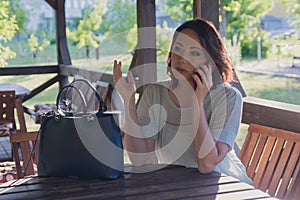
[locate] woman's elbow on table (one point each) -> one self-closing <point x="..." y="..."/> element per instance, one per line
<point x="205" y="168"/>
<point x="145" y="158"/>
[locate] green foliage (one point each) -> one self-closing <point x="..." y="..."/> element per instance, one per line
<point x="242" y="14"/>
<point x="131" y="38"/>
<point x="179" y="9"/>
<point x="243" y="19"/>
<point x="163" y="40"/>
<point x="233" y="51"/>
<point x="19" y="13"/>
<point x="119" y="19"/>
<point x="34" y="44"/>
<point x="85" y="35"/>
<point x="8" y="29"/>
<point x="249" y="43"/>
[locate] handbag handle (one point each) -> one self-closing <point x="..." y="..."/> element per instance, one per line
<point x="102" y="106"/>
<point x="65" y="89"/>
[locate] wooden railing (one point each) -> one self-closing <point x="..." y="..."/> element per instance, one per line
<point x="271" y="113"/>
<point x="255" y="110"/>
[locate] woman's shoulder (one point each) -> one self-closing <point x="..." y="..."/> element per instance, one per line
<point x="227" y="91"/>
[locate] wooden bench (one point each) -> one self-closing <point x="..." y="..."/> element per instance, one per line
<point x="271" y="157"/>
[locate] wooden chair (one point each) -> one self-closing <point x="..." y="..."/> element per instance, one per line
<point x="28" y="143"/>
<point x="7" y="114"/>
<point x="271" y="158"/>
<point x="7" y="123"/>
<point x="18" y="135"/>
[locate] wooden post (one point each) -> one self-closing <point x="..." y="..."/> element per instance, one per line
<point x="207" y="9"/>
<point x="196" y="9"/>
<point x="63" y="55"/>
<point x="145" y="56"/>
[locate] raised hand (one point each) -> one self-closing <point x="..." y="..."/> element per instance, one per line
<point x="126" y="88"/>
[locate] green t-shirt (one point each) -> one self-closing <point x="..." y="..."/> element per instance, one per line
<point x="171" y="126"/>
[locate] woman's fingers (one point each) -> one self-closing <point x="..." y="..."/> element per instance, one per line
<point x="197" y="79"/>
<point x="205" y="75"/>
<point x="117" y="72"/>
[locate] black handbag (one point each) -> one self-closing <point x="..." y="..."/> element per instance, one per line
<point x="80" y="144"/>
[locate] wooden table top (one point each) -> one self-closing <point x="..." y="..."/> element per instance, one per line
<point x="172" y="182"/>
<point x="19" y="90"/>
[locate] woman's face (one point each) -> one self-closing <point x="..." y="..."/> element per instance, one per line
<point x="187" y="54"/>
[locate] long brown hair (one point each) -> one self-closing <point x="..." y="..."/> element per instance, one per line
<point x="211" y="41"/>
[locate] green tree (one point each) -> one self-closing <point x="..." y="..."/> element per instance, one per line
<point x="179" y="9"/>
<point x="120" y="17"/>
<point x="15" y="9"/>
<point x="243" y="19"/>
<point x="35" y="45"/>
<point x="85" y="34"/>
<point x="8" y="29"/>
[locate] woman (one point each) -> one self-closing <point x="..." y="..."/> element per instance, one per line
<point x="193" y="118"/>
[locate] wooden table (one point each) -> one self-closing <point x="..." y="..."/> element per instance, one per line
<point x="172" y="182"/>
<point x="20" y="91"/>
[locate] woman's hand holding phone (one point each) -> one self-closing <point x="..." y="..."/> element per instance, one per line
<point x="203" y="79"/>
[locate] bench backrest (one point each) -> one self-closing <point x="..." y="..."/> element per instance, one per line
<point x="271" y="158"/>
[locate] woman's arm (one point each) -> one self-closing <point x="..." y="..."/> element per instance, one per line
<point x="209" y="152"/>
<point x="140" y="150"/>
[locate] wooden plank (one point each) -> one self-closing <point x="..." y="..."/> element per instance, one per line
<point x="21" y="137"/>
<point x="206" y="192"/>
<point x="196" y="9"/>
<point x="246" y="154"/>
<point x="41" y="88"/>
<point x="261" y="169"/>
<point x="272" y="132"/>
<point x="169" y="183"/>
<point x="52" y="3"/>
<point x="25" y="148"/>
<point x="271" y="113"/>
<point x="294" y="191"/>
<point x="92" y="75"/>
<point x="63" y="55"/>
<point x="256" y="157"/>
<point x="210" y="11"/>
<point x="133" y="181"/>
<point x="288" y="171"/>
<point x="28" y="70"/>
<point x="280" y="168"/>
<point x="145" y="66"/>
<point x="249" y="194"/>
<point x="20" y="113"/>
<point x="113" y="190"/>
<point x="266" y="180"/>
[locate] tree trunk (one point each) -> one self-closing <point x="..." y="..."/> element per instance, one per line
<point x="97" y="53"/>
<point x="87" y="51"/>
<point x="34" y="54"/>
